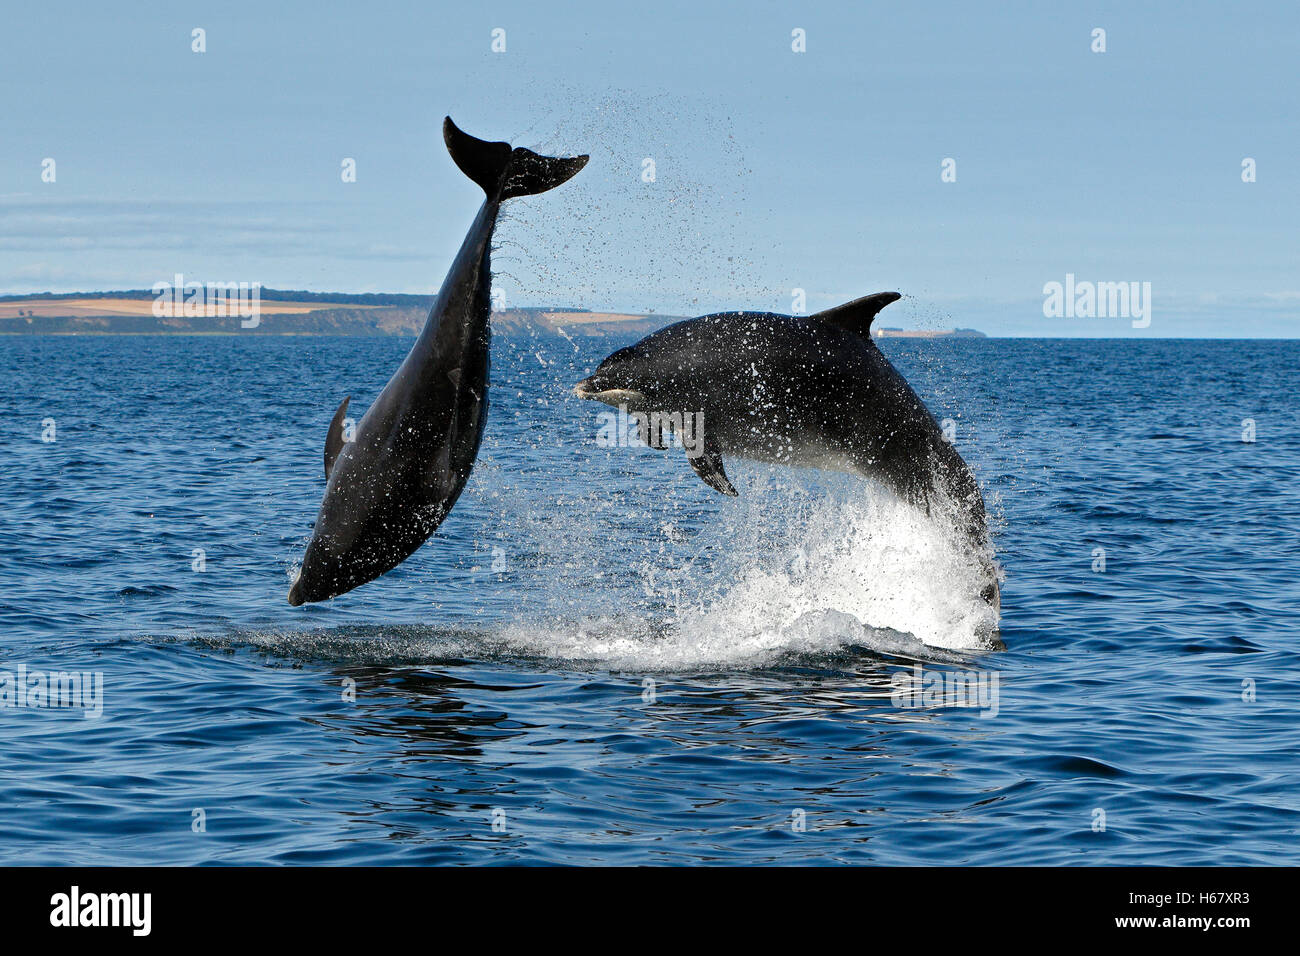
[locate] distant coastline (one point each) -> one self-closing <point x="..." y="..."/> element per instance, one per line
<point x="888" y="333"/>
<point x="284" y="312"/>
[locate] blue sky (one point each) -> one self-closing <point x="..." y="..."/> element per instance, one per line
<point x="775" y="170"/>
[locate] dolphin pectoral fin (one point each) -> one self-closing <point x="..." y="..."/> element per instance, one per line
<point x="334" y="437"/>
<point x="504" y="173"/>
<point x="650" y="437"/>
<point x="856" y="316"/>
<point x="709" y="467"/>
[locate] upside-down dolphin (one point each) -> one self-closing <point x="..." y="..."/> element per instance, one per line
<point x="794" y="390"/>
<point x="390" y="487"/>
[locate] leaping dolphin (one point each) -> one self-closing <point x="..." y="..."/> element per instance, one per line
<point x="794" y="390"/>
<point x="390" y="487"/>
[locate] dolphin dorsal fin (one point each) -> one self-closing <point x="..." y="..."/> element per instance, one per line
<point x="334" y="437"/>
<point x="856" y="316"/>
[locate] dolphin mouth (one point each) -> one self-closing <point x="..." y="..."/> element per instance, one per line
<point x="597" y="389"/>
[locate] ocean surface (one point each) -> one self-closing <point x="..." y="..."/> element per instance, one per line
<point x="598" y="659"/>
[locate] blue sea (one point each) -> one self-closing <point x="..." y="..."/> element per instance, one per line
<point x="599" y="660"/>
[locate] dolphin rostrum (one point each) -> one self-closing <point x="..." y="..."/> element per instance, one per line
<point x="390" y="487"/>
<point x="795" y="390"/>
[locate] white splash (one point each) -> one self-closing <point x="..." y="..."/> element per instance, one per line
<point x="806" y="574"/>
<point x="873" y="557"/>
<point x="801" y="568"/>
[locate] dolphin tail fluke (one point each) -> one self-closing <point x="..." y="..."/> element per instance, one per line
<point x="505" y="173"/>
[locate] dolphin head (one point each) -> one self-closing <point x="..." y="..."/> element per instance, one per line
<point x="364" y="529"/>
<point x="296" y="596"/>
<point x="696" y="364"/>
<point x="319" y="577"/>
<point x="308" y="586"/>
<point x="337" y="560"/>
<point x="626" y="378"/>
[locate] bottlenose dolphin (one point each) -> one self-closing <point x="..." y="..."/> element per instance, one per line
<point x="390" y="487"/>
<point x="794" y="390"/>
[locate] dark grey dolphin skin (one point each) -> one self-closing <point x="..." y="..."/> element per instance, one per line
<point x="797" y="390"/>
<point x="390" y="487"/>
